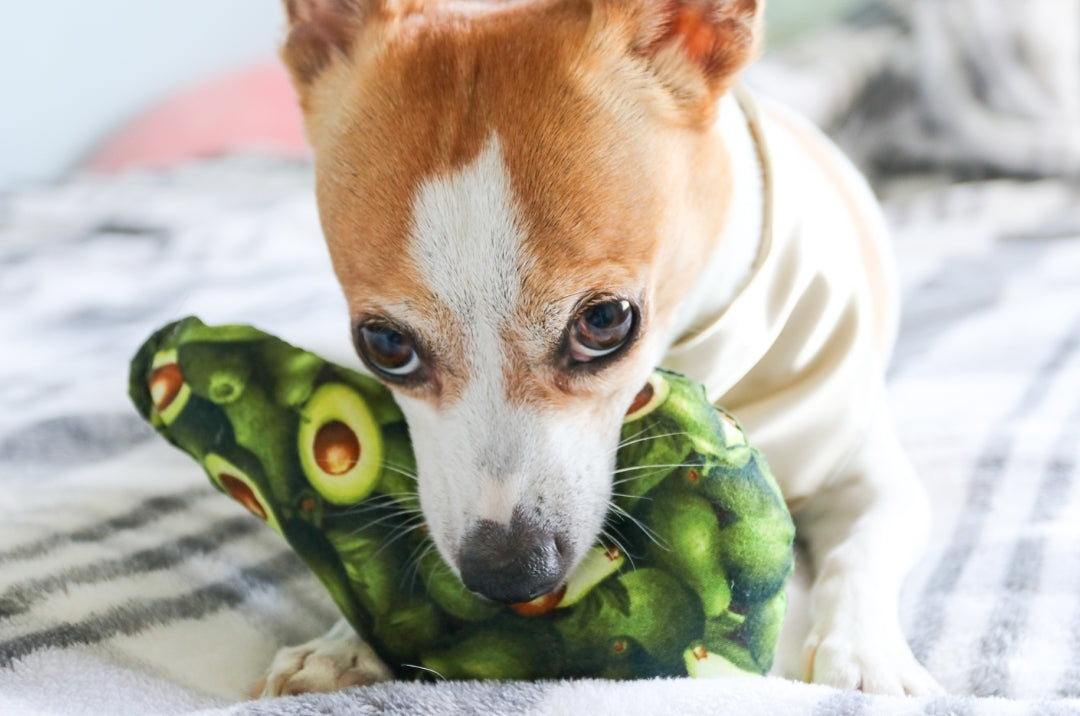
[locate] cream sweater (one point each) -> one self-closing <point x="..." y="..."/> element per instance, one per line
<point x="798" y="355"/>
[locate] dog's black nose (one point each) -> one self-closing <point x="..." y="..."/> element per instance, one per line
<point x="513" y="564"/>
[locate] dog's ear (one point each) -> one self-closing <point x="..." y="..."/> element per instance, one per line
<point x="320" y="30"/>
<point x="695" y="48"/>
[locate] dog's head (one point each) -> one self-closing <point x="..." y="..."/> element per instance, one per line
<point x="516" y="196"/>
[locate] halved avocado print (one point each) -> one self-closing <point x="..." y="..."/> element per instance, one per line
<point x="649" y="398"/>
<point x="340" y="446"/>
<point x="733" y="432"/>
<point x="239" y="486"/>
<point x="599" y="564"/>
<point x="302" y="444"/>
<point x="168" y="390"/>
<point x="704" y="664"/>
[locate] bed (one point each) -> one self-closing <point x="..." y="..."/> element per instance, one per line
<point x="128" y="585"/>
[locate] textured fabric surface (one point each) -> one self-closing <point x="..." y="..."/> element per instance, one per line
<point x="968" y="86"/>
<point x="272" y="425"/>
<point x="127" y="585"/>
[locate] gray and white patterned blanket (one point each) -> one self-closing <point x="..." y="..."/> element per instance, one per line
<point x="128" y="585"/>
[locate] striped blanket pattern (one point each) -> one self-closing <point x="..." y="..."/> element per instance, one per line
<point x="125" y="581"/>
<point x="127" y="585"/>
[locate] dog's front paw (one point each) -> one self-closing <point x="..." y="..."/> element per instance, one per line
<point x="327" y="663"/>
<point x="868" y="660"/>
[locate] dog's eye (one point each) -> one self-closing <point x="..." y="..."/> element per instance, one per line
<point x="601" y="329"/>
<point x="387" y="350"/>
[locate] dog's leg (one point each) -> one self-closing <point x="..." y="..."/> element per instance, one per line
<point x="330" y="662"/>
<point x="862" y="534"/>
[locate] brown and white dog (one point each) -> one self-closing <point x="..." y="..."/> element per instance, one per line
<point x="529" y="205"/>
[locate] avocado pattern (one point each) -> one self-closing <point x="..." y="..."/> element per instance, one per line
<point x="694" y="585"/>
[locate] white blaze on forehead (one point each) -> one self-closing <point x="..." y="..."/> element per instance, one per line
<point x="466" y="244"/>
<point x="479" y="457"/>
<point x="467" y="247"/>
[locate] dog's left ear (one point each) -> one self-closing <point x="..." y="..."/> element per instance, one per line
<point x="322" y="32"/>
<point x="695" y="48"/>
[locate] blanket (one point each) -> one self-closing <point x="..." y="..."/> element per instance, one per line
<point x="128" y="585"/>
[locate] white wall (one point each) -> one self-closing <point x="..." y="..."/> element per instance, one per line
<point x="73" y="70"/>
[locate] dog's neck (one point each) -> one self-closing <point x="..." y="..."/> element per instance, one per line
<point x="736" y="250"/>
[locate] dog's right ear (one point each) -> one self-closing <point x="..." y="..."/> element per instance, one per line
<point x="694" y="49"/>
<point x="320" y="31"/>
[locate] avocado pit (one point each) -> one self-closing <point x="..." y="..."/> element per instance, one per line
<point x="165" y="385"/>
<point x="242" y="493"/>
<point x="336" y="448"/>
<point x="541" y="605"/>
<point x="641" y="399"/>
<point x="651" y="396"/>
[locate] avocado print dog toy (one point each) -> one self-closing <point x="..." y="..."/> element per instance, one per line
<point x="694" y="584"/>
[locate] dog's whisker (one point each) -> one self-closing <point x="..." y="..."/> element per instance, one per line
<point x="399" y="464"/>
<point x="645" y="439"/>
<point x="400" y="532"/>
<point x="631" y="497"/>
<point x="391" y="505"/>
<point x="382" y="499"/>
<point x="638" y="433"/>
<point x="633" y="478"/>
<point x="423" y="555"/>
<point x="377" y="498"/>
<point x="630" y="441"/>
<point x="397" y="496"/>
<point x="394" y="538"/>
<point x="412" y="564"/>
<point x="672" y="465"/>
<point x="424" y="668"/>
<point x="400" y="470"/>
<point x="374" y="511"/>
<point x="642" y="526"/>
<point x="417" y="518"/>
<point x="644" y="476"/>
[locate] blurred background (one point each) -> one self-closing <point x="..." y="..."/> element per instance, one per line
<point x="73" y="72"/>
<point x="76" y="73"/>
<point x="985" y="84"/>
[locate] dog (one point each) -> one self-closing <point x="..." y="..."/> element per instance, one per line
<point x="529" y="205"/>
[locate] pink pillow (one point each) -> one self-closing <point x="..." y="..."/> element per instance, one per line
<point x="249" y="110"/>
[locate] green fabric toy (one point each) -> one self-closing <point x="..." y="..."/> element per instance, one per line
<point x="322" y="455"/>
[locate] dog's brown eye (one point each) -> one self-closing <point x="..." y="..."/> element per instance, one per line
<point x="387" y="350"/>
<point x="601" y="329"/>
